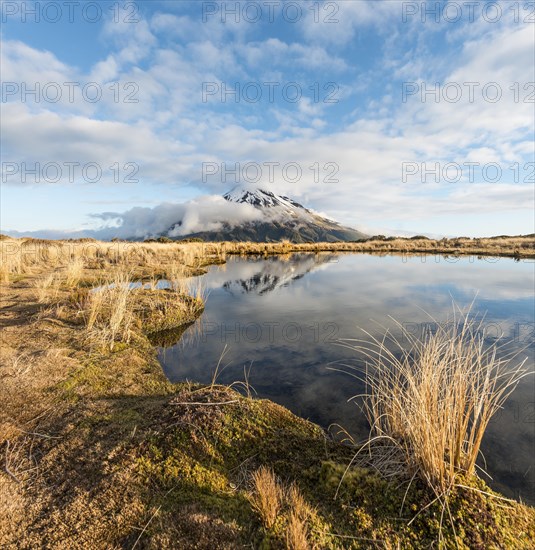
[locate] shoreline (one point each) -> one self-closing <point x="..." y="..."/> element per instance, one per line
<point x="97" y="442"/>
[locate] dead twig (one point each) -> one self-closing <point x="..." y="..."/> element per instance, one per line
<point x="6" y="466"/>
<point x="207" y="403"/>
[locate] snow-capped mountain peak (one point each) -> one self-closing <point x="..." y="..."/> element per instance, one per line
<point x="260" y="198"/>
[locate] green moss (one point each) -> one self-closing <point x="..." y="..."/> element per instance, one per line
<point x="204" y="454"/>
<point x="91" y="376"/>
<point x="164" y="309"/>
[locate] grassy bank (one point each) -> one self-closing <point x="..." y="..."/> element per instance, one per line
<point x="22" y="256"/>
<point x="99" y="450"/>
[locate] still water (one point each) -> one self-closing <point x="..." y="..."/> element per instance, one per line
<point x="281" y="319"/>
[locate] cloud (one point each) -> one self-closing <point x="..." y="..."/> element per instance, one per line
<point x="208" y="213"/>
<point x="337" y="23"/>
<point x="48" y="137"/>
<point x="274" y="51"/>
<point x="134" y="41"/>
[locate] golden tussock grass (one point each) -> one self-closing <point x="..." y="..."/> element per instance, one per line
<point x="46" y="287"/>
<point x="296" y="537"/>
<point x="279" y="504"/>
<point x="429" y="405"/>
<point x="74" y="271"/>
<point x="267" y="495"/>
<point x="297" y="531"/>
<point x="109" y="312"/>
<point x="120" y="305"/>
<point x="298" y="503"/>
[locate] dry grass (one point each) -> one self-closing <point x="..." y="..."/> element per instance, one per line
<point x="267" y="495"/>
<point x="274" y="501"/>
<point x="46" y="287"/>
<point x="5" y="272"/>
<point x="74" y="271"/>
<point x="297" y="502"/>
<point x="296" y="533"/>
<point x="17" y="364"/>
<point x="113" y="309"/>
<point x="110" y="312"/>
<point x="180" y="281"/>
<point x="177" y="277"/>
<point x="429" y="406"/>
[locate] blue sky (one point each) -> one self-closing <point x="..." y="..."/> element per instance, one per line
<point x="330" y="96"/>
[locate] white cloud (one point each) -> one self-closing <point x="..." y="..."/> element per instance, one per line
<point x="134" y="41"/>
<point x="337" y="23"/>
<point x="207" y="213"/>
<point x="275" y="52"/>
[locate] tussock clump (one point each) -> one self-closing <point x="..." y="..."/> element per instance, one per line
<point x="267" y="495"/>
<point x="296" y="533"/>
<point x="300" y="512"/>
<point x="281" y="507"/>
<point x="46" y="287"/>
<point x="73" y="271"/>
<point x="429" y="406"/>
<point x="109" y="312"/>
<point x="114" y="310"/>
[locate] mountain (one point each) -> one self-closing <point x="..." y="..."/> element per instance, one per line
<point x="276" y="218"/>
<point x="274" y="272"/>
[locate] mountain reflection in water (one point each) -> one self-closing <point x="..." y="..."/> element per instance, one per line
<point x="277" y="271"/>
<point x="284" y="317"/>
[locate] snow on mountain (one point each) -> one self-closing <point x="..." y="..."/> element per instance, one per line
<point x="261" y="198"/>
<point x="274" y="207"/>
<point x="271" y="218"/>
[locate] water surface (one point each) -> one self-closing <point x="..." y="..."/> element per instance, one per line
<point x="281" y="320"/>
